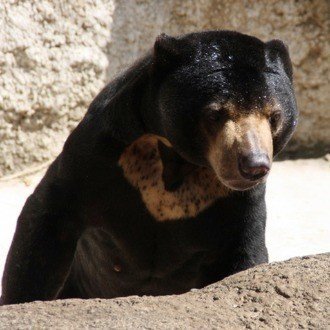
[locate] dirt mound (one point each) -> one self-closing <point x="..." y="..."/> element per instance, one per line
<point x="292" y="294"/>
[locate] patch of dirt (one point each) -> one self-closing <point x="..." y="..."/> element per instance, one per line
<point x="288" y="295"/>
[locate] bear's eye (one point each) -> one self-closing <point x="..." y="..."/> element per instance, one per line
<point x="274" y="119"/>
<point x="215" y="115"/>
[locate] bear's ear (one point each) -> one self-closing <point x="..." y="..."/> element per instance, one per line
<point x="279" y="50"/>
<point x="170" y="52"/>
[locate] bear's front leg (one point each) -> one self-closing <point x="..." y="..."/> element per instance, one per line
<point x="43" y="246"/>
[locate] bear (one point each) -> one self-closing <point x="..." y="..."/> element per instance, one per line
<point x="161" y="186"/>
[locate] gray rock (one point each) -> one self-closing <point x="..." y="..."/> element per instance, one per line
<point x="288" y="295"/>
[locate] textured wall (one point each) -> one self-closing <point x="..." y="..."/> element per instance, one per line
<point x="52" y="63"/>
<point x="56" y="55"/>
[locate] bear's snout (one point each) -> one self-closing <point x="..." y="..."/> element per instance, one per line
<point x="241" y="153"/>
<point x="254" y="166"/>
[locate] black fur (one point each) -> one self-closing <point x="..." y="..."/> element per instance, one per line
<point x="85" y="231"/>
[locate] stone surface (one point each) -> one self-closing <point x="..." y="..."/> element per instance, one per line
<point x="56" y="55"/>
<point x="52" y="63"/>
<point x="287" y="295"/>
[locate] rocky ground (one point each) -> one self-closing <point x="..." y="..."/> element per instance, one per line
<point x="288" y="295"/>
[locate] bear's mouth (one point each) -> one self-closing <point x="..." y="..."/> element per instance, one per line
<point x="241" y="184"/>
<point x="242" y="179"/>
<point x="238" y="179"/>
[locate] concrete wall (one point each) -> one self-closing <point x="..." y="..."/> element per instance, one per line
<point x="56" y="55"/>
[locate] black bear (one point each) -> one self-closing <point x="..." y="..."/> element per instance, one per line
<point x="161" y="187"/>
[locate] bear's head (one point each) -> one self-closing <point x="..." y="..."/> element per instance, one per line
<point x="225" y="100"/>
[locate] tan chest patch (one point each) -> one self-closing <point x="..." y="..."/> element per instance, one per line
<point x="143" y="168"/>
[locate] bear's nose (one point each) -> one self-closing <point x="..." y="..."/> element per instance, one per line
<point x="253" y="166"/>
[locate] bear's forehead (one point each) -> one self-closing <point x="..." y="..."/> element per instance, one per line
<point x="228" y="49"/>
<point x="246" y="91"/>
<point x="213" y="60"/>
<point x="223" y="37"/>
